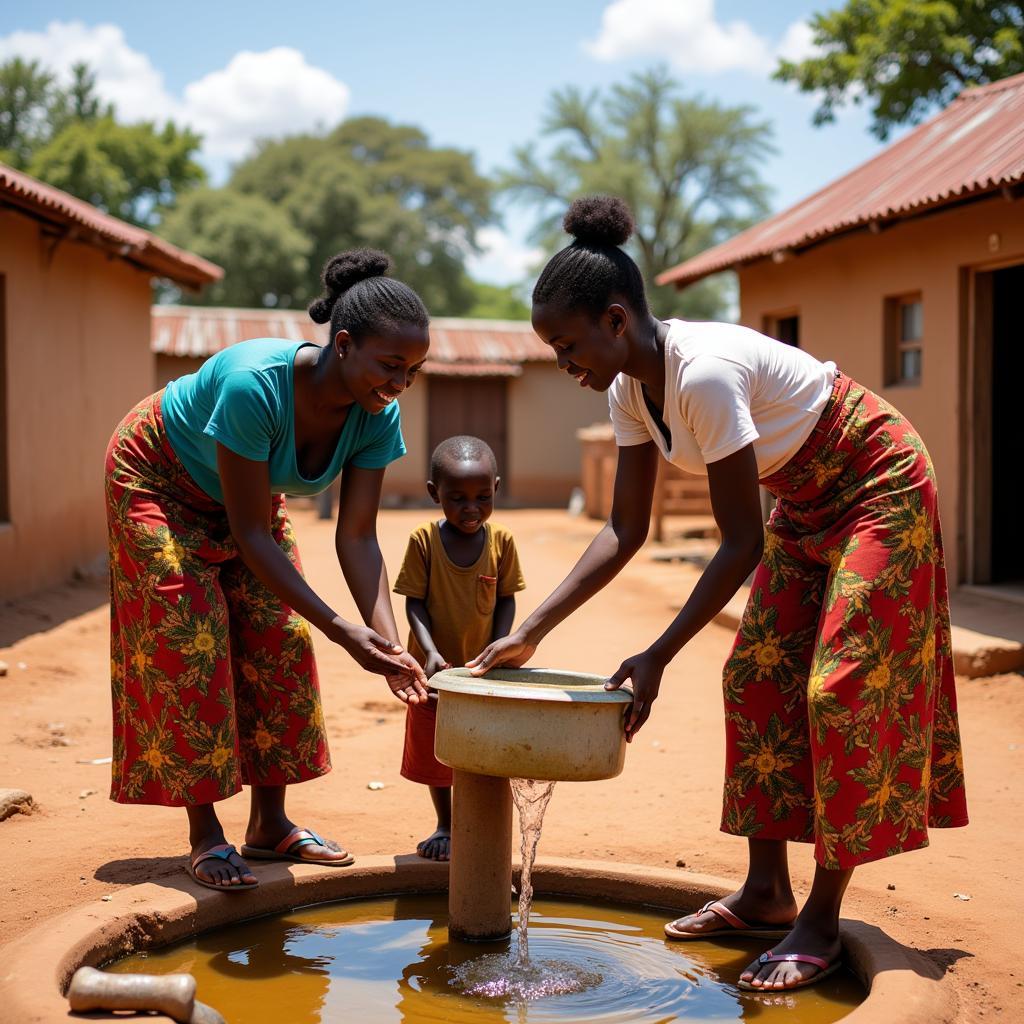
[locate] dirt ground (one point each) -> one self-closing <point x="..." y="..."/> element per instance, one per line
<point x="663" y="809"/>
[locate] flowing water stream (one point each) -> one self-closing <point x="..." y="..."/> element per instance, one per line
<point x="514" y="975"/>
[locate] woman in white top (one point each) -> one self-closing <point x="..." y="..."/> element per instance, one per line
<point x="841" y="724"/>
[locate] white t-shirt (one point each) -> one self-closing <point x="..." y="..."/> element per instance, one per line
<point x="726" y="386"/>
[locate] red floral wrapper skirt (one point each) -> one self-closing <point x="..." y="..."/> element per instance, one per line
<point x="841" y="723"/>
<point x="213" y="680"/>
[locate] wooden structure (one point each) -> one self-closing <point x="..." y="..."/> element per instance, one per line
<point x="676" y="492"/>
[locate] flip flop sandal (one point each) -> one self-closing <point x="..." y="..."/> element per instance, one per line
<point x="736" y="926"/>
<point x="222" y="852"/>
<point x="824" y="970"/>
<point x="295" y="841"/>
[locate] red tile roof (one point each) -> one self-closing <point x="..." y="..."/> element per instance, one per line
<point x="83" y="222"/>
<point x="973" y="147"/>
<point x="458" y="347"/>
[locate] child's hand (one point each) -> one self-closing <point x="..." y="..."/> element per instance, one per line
<point x="409" y="686"/>
<point x="435" y="663"/>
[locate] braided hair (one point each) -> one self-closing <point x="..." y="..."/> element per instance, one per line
<point x="361" y="300"/>
<point x="593" y="271"/>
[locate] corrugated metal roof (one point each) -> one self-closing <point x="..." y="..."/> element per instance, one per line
<point x="458" y="347"/>
<point x="83" y="222"/>
<point x="435" y="369"/>
<point x="974" y="146"/>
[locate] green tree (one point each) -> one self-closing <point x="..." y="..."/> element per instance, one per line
<point x="132" y="171"/>
<point x="688" y="169"/>
<point x="905" y="57"/>
<point x="26" y="94"/>
<point x="497" y="302"/>
<point x="79" y="102"/>
<point x="266" y="255"/>
<point x="70" y="138"/>
<point x="372" y="183"/>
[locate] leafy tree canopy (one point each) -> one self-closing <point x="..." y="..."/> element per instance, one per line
<point x="132" y="171"/>
<point x="69" y="138"/>
<point x="497" y="302"/>
<point x="905" y="57"/>
<point x="366" y="183"/>
<point x="688" y="169"/>
<point x="267" y="255"/>
<point x="371" y="183"/>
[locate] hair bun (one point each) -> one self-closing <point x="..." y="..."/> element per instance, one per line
<point x="599" y="220"/>
<point x="343" y="271"/>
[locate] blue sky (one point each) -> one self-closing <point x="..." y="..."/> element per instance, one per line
<point x="474" y="75"/>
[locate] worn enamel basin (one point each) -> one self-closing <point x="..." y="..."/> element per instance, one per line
<point x="530" y="723"/>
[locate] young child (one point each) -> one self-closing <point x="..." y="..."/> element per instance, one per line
<point x="459" y="578"/>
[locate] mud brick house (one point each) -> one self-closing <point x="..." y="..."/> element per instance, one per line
<point x="909" y="273"/>
<point x="75" y="294"/>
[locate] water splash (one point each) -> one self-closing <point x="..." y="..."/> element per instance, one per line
<point x="531" y="798"/>
<point x="504" y="976"/>
<point x="514" y="976"/>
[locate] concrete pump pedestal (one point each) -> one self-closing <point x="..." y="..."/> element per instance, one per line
<point x="513" y="723"/>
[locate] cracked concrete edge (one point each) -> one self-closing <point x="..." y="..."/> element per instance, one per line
<point x="904" y="986"/>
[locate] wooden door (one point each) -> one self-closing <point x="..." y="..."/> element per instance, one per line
<point x="470" y="405"/>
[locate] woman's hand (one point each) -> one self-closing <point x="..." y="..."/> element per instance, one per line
<point x="376" y="653"/>
<point x="645" y="670"/>
<point x="513" y="650"/>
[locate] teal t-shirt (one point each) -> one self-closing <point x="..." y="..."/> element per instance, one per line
<point x="243" y="397"/>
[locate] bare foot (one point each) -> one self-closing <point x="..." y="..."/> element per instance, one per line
<point x="436" y="846"/>
<point x="216" y="870"/>
<point x="758" y="912"/>
<point x="806" y="939"/>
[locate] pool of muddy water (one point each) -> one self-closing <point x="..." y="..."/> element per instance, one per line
<point x="390" y="960"/>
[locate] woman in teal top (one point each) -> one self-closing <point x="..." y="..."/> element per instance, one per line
<point x="213" y="679"/>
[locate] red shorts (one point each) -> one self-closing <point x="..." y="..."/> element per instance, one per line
<point x="418" y="761"/>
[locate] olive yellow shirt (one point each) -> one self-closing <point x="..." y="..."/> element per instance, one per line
<point x="460" y="599"/>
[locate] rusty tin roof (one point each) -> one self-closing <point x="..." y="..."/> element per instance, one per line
<point x="973" y="147"/>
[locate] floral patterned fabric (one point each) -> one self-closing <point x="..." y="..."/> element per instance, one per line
<point x="841" y="724"/>
<point x="213" y="680"/>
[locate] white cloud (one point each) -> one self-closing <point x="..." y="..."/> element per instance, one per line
<point x="504" y="260"/>
<point x="256" y="95"/>
<point x="687" y="34"/>
<point x="262" y="94"/>
<point x="797" y="43"/>
<point x="124" y="76"/>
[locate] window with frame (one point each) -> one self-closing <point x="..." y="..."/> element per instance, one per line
<point x="784" y="327"/>
<point x="904" y="339"/>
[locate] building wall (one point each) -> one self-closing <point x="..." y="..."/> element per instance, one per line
<point x="77" y="358"/>
<point x="546" y="408"/>
<point x="545" y="411"/>
<point x="838" y="289"/>
<point x="405" y="480"/>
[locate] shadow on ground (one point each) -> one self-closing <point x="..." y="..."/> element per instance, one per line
<point x="47" y="609"/>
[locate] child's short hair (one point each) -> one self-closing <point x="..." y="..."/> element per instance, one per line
<point x="461" y="448"/>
